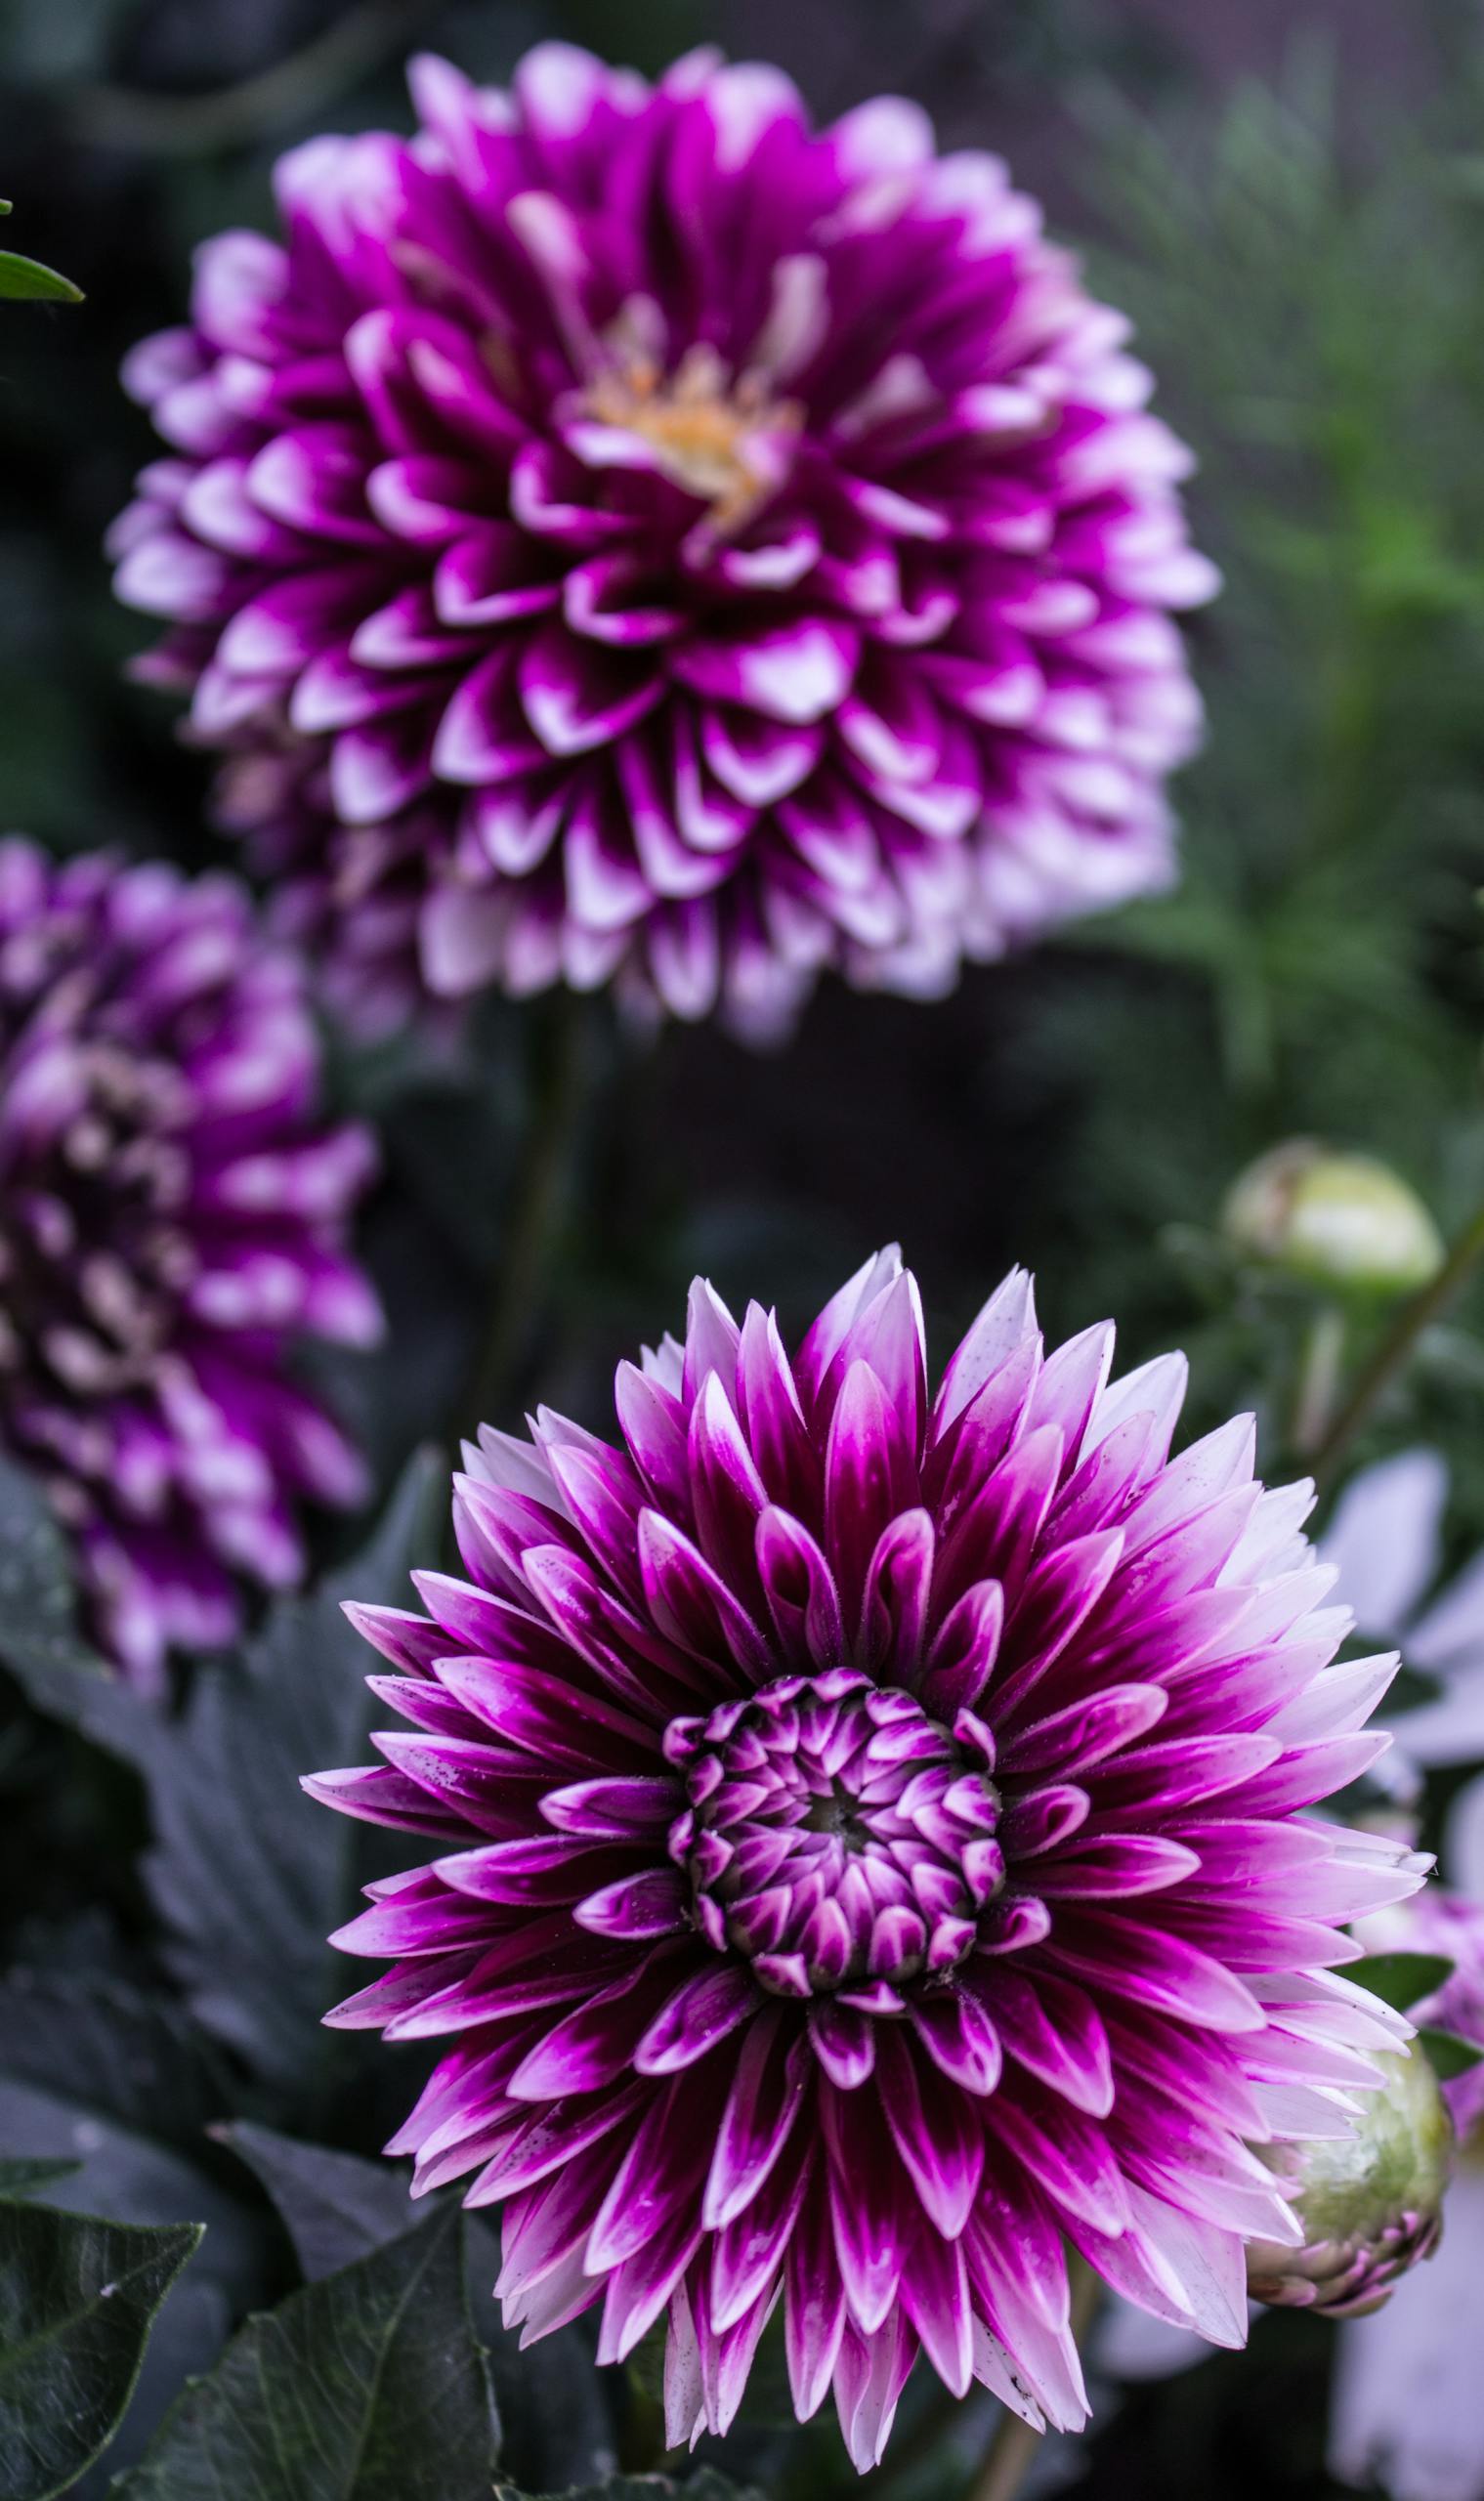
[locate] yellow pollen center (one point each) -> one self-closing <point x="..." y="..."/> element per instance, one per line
<point x="707" y="431"/>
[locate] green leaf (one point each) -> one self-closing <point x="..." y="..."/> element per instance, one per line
<point x="26" y="281"/>
<point x="23" y="2175"/>
<point x="106" y="2047"/>
<point x="40" y="1641"/>
<point x="1401" y="1980"/>
<point x="77" y="2299"/>
<point x="1450" y="2055"/>
<point x="337" y="2207"/>
<point x="117" y="2169"/>
<point x="249" y="1874"/>
<point x="368" y="2386"/>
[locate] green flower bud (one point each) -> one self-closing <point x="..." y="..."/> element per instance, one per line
<point x="1370" y="2205"/>
<point x="1341" y="1221"/>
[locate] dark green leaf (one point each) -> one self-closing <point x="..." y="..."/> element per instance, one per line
<point x="1449" y="2053"/>
<point x="23" y="2175"/>
<point x="120" y="2171"/>
<point x="556" y="2423"/>
<point x="337" y="2207"/>
<point x="31" y="282"/>
<point x="77" y="2299"/>
<point x="1402" y="1980"/>
<point x="249" y="1874"/>
<point x="368" y="2386"/>
<point x="40" y="1641"/>
<point x="107" y="2048"/>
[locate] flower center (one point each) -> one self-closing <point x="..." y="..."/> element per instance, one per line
<point x="722" y="439"/>
<point x="92" y="1181"/>
<point x="835" y="1835"/>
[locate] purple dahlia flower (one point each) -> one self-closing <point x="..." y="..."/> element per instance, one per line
<point x="872" y="1856"/>
<point x="170" y="1218"/>
<point x="623" y="532"/>
<point x="1450" y="1923"/>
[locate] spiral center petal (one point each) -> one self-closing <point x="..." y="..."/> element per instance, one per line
<point x="835" y="1834"/>
<point x="719" y="437"/>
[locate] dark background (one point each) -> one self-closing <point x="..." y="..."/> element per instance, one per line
<point x="1290" y="200"/>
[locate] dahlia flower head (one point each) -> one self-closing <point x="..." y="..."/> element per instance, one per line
<point x="622" y="532"/>
<point x="872" y="1857"/>
<point x="172" y="1216"/>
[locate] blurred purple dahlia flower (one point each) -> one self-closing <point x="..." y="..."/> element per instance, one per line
<point x="623" y="532"/>
<point x="171" y="1217"/>
<point x="872" y="1855"/>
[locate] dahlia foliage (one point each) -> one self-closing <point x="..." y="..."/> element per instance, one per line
<point x="872" y="1857"/>
<point x="622" y="532"/>
<point x="171" y="1217"/>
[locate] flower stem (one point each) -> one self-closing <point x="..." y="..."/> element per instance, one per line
<point x="1398" y="1346"/>
<point x="1010" y="2452"/>
<point x="557" y="1096"/>
<point x="294" y="89"/>
<point x="1318" y="1375"/>
<point x="1013" y="2444"/>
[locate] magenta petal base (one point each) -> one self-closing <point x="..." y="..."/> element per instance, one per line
<point x="624" y="533"/>
<point x="871" y="1859"/>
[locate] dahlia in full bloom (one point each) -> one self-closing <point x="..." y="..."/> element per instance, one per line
<point x="171" y="1218"/>
<point x="623" y="532"/>
<point x="871" y="1855"/>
